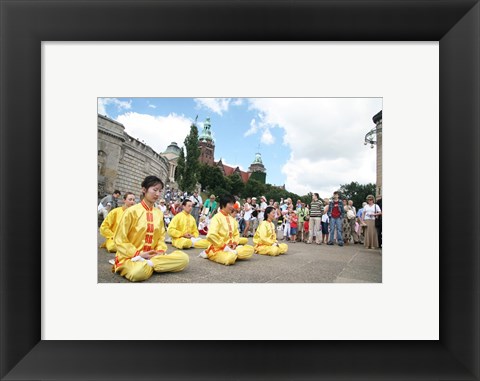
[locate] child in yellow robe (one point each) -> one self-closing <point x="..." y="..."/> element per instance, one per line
<point x="110" y="223"/>
<point x="140" y="239"/>
<point x="265" y="238"/>
<point x="183" y="229"/>
<point x="224" y="237"/>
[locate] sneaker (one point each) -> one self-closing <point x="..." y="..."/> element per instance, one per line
<point x="203" y="254"/>
<point x="340" y="244"/>
<point x="330" y="243"/>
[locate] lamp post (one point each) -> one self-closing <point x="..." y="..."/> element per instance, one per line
<point x="374" y="138"/>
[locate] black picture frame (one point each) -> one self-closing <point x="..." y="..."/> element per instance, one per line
<point x="25" y="24"/>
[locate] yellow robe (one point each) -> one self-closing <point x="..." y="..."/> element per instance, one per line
<point x="265" y="237"/>
<point x="109" y="226"/>
<point x="223" y="231"/>
<point x="142" y="229"/>
<point x="181" y="224"/>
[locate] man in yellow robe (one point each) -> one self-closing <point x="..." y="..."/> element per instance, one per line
<point x="265" y="238"/>
<point x="110" y="223"/>
<point x="224" y="237"/>
<point x="140" y="239"/>
<point x="183" y="229"/>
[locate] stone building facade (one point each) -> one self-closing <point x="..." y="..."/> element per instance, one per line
<point x="123" y="161"/>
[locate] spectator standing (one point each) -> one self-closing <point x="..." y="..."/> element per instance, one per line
<point x="325" y="221"/>
<point x="263" y="206"/>
<point x="361" y="223"/>
<point x="351" y="215"/>
<point x="247" y="216"/>
<point x="347" y="232"/>
<point x="293" y="226"/>
<point x="254" y="220"/>
<point x="335" y="215"/>
<point x="370" y="212"/>
<point x="303" y="215"/>
<point x="316" y="210"/>
<point x="108" y="203"/>
<point x="197" y="203"/>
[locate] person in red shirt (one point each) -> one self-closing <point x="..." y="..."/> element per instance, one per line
<point x="293" y="226"/>
<point x="335" y="214"/>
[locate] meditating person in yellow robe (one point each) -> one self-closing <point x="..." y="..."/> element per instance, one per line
<point x="265" y="238"/>
<point x="224" y="237"/>
<point x="183" y="229"/>
<point x="235" y="210"/>
<point x="110" y="223"/>
<point x="140" y="238"/>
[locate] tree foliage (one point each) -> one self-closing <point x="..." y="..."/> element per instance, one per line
<point x="236" y="184"/>
<point x="189" y="174"/>
<point x="357" y="192"/>
<point x="179" y="171"/>
<point x="210" y="178"/>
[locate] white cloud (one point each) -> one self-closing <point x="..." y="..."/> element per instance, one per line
<point x="237" y="102"/>
<point x="253" y="128"/>
<point x="104" y="102"/>
<point x="156" y="131"/>
<point x="152" y="106"/>
<point x="267" y="137"/>
<point x="325" y="136"/>
<point x="233" y="165"/>
<point x="217" y="105"/>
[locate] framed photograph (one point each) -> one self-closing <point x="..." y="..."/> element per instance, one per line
<point x="27" y="355"/>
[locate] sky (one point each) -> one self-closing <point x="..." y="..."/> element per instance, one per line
<point x="308" y="144"/>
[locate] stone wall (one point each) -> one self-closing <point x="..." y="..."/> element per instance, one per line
<point x="123" y="161"/>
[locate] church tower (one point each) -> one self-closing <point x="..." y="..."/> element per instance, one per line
<point x="257" y="169"/>
<point x="206" y="144"/>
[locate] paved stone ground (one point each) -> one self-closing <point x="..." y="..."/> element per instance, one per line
<point x="301" y="264"/>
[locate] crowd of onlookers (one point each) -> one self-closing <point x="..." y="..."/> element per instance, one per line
<point x="323" y="221"/>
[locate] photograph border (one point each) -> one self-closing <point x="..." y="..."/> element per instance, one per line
<point x="25" y="24"/>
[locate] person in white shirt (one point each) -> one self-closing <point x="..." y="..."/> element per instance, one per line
<point x="197" y="202"/>
<point x="263" y="206"/>
<point x="247" y="216"/>
<point x="370" y="212"/>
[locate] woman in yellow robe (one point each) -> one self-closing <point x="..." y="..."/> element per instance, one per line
<point x="183" y="229"/>
<point x="140" y="239"/>
<point x="223" y="236"/>
<point x="265" y="238"/>
<point x="110" y="223"/>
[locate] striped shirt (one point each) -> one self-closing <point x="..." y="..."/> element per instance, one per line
<point x="316" y="209"/>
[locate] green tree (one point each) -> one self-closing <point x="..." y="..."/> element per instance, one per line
<point x="211" y="178"/>
<point x="357" y="192"/>
<point x="190" y="171"/>
<point x="236" y="184"/>
<point x="253" y="188"/>
<point x="180" y="168"/>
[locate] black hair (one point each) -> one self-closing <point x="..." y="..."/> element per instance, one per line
<point x="151" y="181"/>
<point x="185" y="201"/>
<point x="225" y="199"/>
<point x="316" y="194"/>
<point x="116" y="191"/>
<point x="268" y="210"/>
<point x="126" y="195"/>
